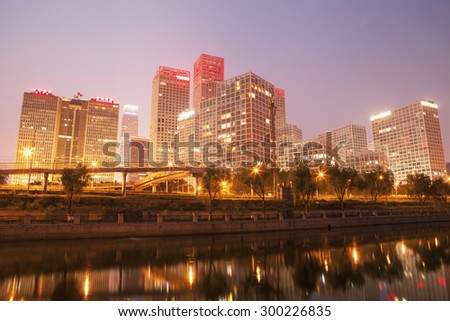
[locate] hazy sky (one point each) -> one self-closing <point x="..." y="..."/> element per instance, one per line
<point x="339" y="61"/>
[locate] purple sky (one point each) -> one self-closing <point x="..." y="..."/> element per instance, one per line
<point x="339" y="61"/>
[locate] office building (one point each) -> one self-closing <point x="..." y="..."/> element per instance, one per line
<point x="170" y="97"/>
<point x="367" y="161"/>
<point x="71" y="129"/>
<point x="36" y="138"/>
<point x="289" y="139"/>
<point x="188" y="147"/>
<point x="234" y="127"/>
<point x="102" y="125"/>
<point x="349" y="141"/>
<point x="138" y="156"/>
<point x="208" y="72"/>
<point x="280" y="106"/>
<point x="129" y="121"/>
<point x="410" y="137"/>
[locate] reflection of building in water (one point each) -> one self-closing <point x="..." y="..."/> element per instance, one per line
<point x="252" y="271"/>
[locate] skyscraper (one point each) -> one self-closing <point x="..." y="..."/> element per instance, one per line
<point x="242" y="121"/>
<point x="102" y="125"/>
<point x="208" y="72"/>
<point x="71" y="128"/>
<point x="170" y="97"/>
<point x="129" y="121"/>
<point x="129" y="128"/>
<point x="410" y="137"/>
<point x="280" y="105"/>
<point x="291" y="137"/>
<point x="188" y="153"/>
<point x="349" y="140"/>
<point x="36" y="146"/>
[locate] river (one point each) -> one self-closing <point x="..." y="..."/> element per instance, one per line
<point x="393" y="263"/>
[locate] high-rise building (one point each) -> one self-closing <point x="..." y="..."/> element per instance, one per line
<point x="208" y="72"/>
<point x="138" y="155"/>
<point x="128" y="129"/>
<point x="58" y="132"/>
<point x="349" y="141"/>
<point x="71" y="129"/>
<point x="289" y="139"/>
<point x="280" y="106"/>
<point x="367" y="161"/>
<point x="242" y="126"/>
<point x="129" y="121"/>
<point x="207" y="127"/>
<point x="410" y="137"/>
<point x="188" y="142"/>
<point x="36" y="146"/>
<point x="170" y="97"/>
<point x="102" y="125"/>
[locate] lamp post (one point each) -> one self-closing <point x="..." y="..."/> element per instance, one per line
<point x="255" y="171"/>
<point x="319" y="175"/>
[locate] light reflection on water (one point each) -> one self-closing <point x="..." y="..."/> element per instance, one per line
<point x="394" y="265"/>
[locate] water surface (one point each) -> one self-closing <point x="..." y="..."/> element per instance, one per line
<point x="396" y="263"/>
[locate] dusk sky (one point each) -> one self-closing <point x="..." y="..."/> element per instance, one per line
<point x="338" y="61"/>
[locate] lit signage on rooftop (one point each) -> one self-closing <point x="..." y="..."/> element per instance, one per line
<point x="103" y="100"/>
<point x="427" y="103"/>
<point x="178" y="74"/>
<point x="381" y="115"/>
<point x="278" y="92"/>
<point x="40" y="91"/>
<point x="179" y="77"/>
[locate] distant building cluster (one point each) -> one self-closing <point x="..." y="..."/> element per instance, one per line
<point x="233" y="122"/>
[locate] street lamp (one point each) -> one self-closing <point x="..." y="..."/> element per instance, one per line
<point x="28" y="153"/>
<point x="319" y="175"/>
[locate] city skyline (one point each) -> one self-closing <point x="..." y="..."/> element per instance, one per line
<point x="379" y="81"/>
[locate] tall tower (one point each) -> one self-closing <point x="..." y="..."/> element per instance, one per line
<point x="208" y="72"/>
<point x="70" y="141"/>
<point x="280" y="105"/>
<point x="37" y="132"/>
<point x="102" y="124"/>
<point x="410" y="137"/>
<point x="243" y="119"/>
<point x="129" y="121"/>
<point x="170" y="97"/>
<point x="352" y="138"/>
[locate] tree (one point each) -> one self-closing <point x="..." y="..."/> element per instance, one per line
<point x="213" y="181"/>
<point x="303" y="184"/>
<point x="73" y="181"/>
<point x="383" y="265"/>
<point x="341" y="180"/>
<point x="377" y="182"/>
<point x="256" y="179"/>
<point x="3" y="178"/>
<point x="419" y="185"/>
<point x="440" y="190"/>
<point x="306" y="272"/>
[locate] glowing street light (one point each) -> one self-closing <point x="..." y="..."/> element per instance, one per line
<point x="27" y="152"/>
<point x="255" y="170"/>
<point x="320" y="175"/>
<point x="94" y="164"/>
